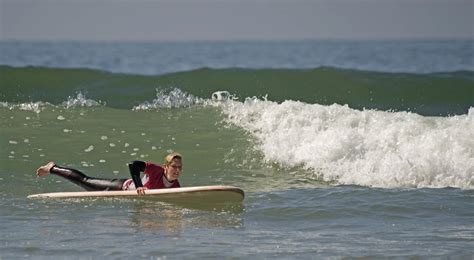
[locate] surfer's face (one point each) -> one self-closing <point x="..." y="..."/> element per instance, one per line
<point x="173" y="169"/>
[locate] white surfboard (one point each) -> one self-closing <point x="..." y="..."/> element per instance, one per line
<point x="188" y="195"/>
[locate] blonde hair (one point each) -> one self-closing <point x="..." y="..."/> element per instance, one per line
<point x="169" y="158"/>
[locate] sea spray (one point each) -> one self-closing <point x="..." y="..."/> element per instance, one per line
<point x="175" y="98"/>
<point x="29" y="106"/>
<point x="369" y="148"/>
<point x="80" y="100"/>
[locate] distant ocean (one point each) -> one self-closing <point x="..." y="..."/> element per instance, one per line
<point x="344" y="149"/>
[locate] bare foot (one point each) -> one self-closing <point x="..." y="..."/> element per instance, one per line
<point x="44" y="170"/>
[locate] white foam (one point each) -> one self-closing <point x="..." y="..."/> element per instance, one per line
<point x="175" y="98"/>
<point x="370" y="148"/>
<point x="31" y="106"/>
<point x="80" y="100"/>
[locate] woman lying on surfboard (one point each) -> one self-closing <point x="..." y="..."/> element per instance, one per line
<point x="155" y="176"/>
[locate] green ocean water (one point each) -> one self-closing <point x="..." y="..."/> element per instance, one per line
<point x="334" y="162"/>
<point x="426" y="94"/>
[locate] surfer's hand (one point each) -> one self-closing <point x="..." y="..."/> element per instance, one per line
<point x="141" y="190"/>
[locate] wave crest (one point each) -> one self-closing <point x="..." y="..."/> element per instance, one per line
<point x="369" y="148"/>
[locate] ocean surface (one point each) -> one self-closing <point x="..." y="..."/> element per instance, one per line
<point x="344" y="149"/>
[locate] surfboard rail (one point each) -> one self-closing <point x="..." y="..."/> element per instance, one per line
<point x="230" y="193"/>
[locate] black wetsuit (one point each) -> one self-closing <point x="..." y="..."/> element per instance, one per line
<point x="99" y="184"/>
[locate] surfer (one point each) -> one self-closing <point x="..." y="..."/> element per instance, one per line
<point x="155" y="176"/>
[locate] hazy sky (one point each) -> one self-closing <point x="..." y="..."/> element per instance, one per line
<point x="140" y="20"/>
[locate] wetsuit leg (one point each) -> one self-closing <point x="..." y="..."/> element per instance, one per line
<point x="86" y="182"/>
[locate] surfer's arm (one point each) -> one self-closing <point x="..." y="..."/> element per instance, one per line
<point x="136" y="167"/>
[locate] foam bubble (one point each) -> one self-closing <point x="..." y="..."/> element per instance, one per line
<point x="220" y="96"/>
<point x="89" y="149"/>
<point x="370" y="148"/>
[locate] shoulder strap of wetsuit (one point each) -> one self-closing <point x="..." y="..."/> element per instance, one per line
<point x="136" y="167"/>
